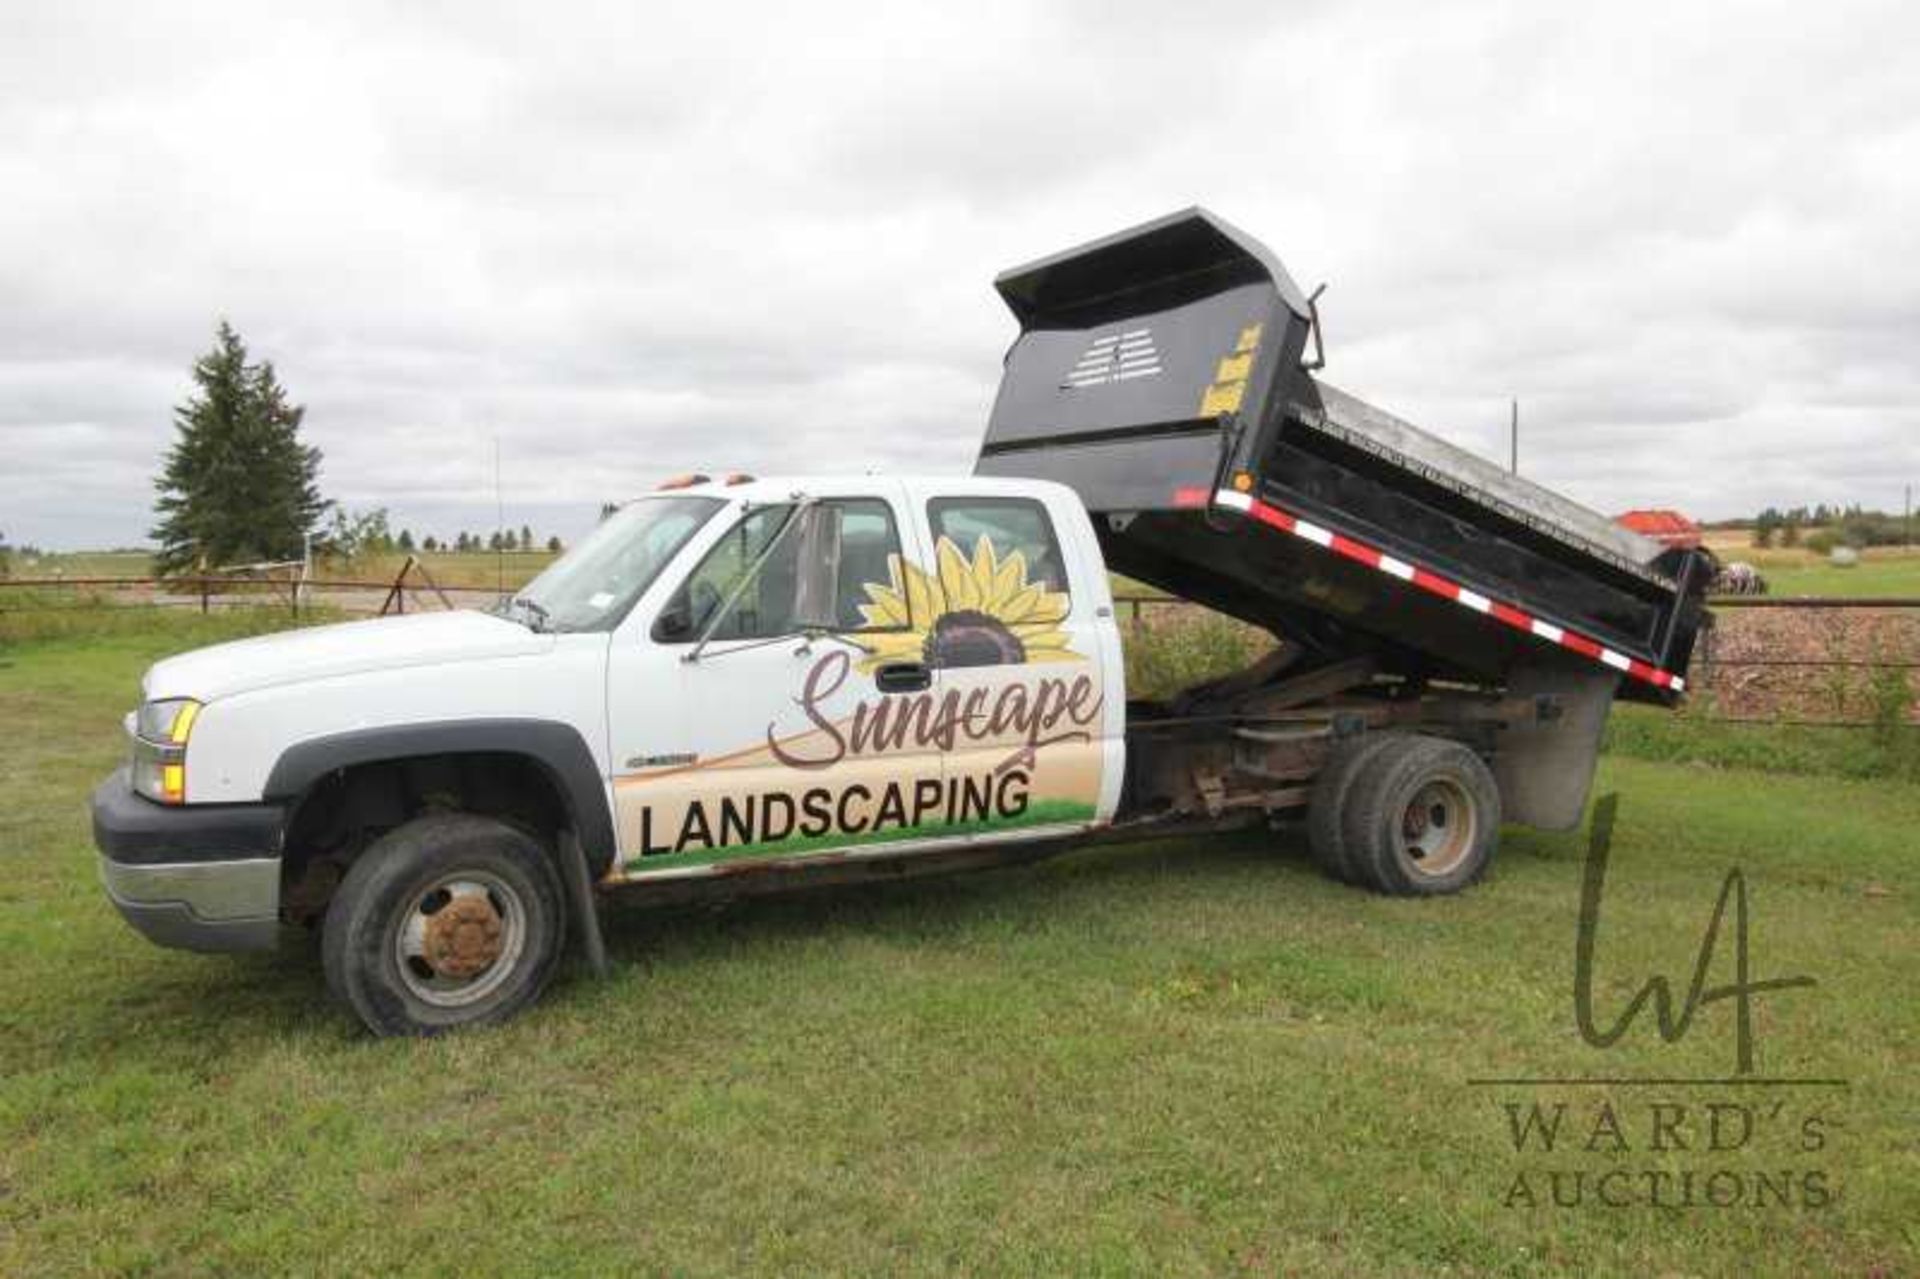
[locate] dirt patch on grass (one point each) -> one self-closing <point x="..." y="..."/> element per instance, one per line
<point x="1843" y="664"/>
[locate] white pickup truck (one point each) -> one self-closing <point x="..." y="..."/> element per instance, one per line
<point x="747" y="683"/>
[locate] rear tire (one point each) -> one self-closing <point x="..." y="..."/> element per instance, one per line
<point x="1327" y="803"/>
<point x="1422" y="819"/>
<point x="448" y="921"/>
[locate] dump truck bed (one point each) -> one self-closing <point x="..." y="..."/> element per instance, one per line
<point x="1351" y="418"/>
<point x="1159" y="373"/>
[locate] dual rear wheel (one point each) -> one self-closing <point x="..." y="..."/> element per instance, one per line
<point x="1405" y="814"/>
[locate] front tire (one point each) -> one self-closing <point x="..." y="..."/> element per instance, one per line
<point x="451" y="920"/>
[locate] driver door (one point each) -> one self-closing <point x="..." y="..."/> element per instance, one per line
<point x="788" y="732"/>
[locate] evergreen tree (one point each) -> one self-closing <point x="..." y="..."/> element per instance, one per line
<point x="237" y="485"/>
<point x="526" y="538"/>
<point x="405" y="540"/>
<point x="553" y="544"/>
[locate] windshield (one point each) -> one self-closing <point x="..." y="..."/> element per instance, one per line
<point x="592" y="586"/>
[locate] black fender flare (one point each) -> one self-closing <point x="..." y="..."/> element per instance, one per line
<point x="557" y="748"/>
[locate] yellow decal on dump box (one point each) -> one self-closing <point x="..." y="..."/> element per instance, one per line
<point x="1222" y="399"/>
<point x="1229" y="386"/>
<point x="1234" y="368"/>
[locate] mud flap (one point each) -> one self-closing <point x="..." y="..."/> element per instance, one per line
<point x="1545" y="765"/>
<point x="586" y="913"/>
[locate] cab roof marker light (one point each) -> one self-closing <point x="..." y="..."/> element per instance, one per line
<point x="686" y="481"/>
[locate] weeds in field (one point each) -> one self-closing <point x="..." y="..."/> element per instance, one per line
<point x="1890" y="699"/>
<point x="1172" y="653"/>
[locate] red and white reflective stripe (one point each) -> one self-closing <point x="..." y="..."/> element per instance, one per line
<point x="1434" y="584"/>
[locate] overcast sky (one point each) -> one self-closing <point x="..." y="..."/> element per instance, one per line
<point x="629" y="243"/>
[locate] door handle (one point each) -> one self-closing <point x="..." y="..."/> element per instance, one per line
<point x="903" y="677"/>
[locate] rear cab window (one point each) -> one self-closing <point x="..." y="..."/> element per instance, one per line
<point x="1003" y="579"/>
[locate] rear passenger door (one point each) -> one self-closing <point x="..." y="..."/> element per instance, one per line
<point x="1014" y="646"/>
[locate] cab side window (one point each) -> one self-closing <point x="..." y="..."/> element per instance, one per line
<point x="1010" y="524"/>
<point x="765" y="606"/>
<point x="755" y="613"/>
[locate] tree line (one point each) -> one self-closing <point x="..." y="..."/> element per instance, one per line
<point x="353" y="534"/>
<point x="1822" y="527"/>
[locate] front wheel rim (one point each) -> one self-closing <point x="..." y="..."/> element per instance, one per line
<point x="460" y="938"/>
<point x="1437" y="828"/>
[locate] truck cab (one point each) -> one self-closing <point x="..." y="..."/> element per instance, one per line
<point x="726" y="675"/>
<point x="838" y="666"/>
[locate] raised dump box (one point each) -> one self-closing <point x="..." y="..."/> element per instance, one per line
<point x="1159" y="372"/>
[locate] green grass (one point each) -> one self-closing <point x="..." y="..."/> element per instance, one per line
<point x="1873" y="578"/>
<point x="1187" y="1058"/>
<point x="1883" y="572"/>
<point x="83" y="619"/>
<point x="1842" y="750"/>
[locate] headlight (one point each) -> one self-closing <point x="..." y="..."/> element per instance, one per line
<point x="160" y="732"/>
<point x="168" y="722"/>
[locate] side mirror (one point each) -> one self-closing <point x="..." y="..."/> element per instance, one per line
<point x="816" y="603"/>
<point x="675" y="623"/>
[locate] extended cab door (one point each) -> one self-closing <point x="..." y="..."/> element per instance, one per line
<point x="1024" y="648"/>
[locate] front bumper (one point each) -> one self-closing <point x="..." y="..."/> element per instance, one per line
<point x="197" y="877"/>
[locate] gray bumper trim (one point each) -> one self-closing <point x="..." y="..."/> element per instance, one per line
<point x="216" y="906"/>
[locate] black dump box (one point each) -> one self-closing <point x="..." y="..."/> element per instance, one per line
<point x="1159" y="372"/>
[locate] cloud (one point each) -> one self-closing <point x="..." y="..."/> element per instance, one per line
<point x="629" y="242"/>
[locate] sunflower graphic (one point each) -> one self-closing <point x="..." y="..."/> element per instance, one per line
<point x="977" y="610"/>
